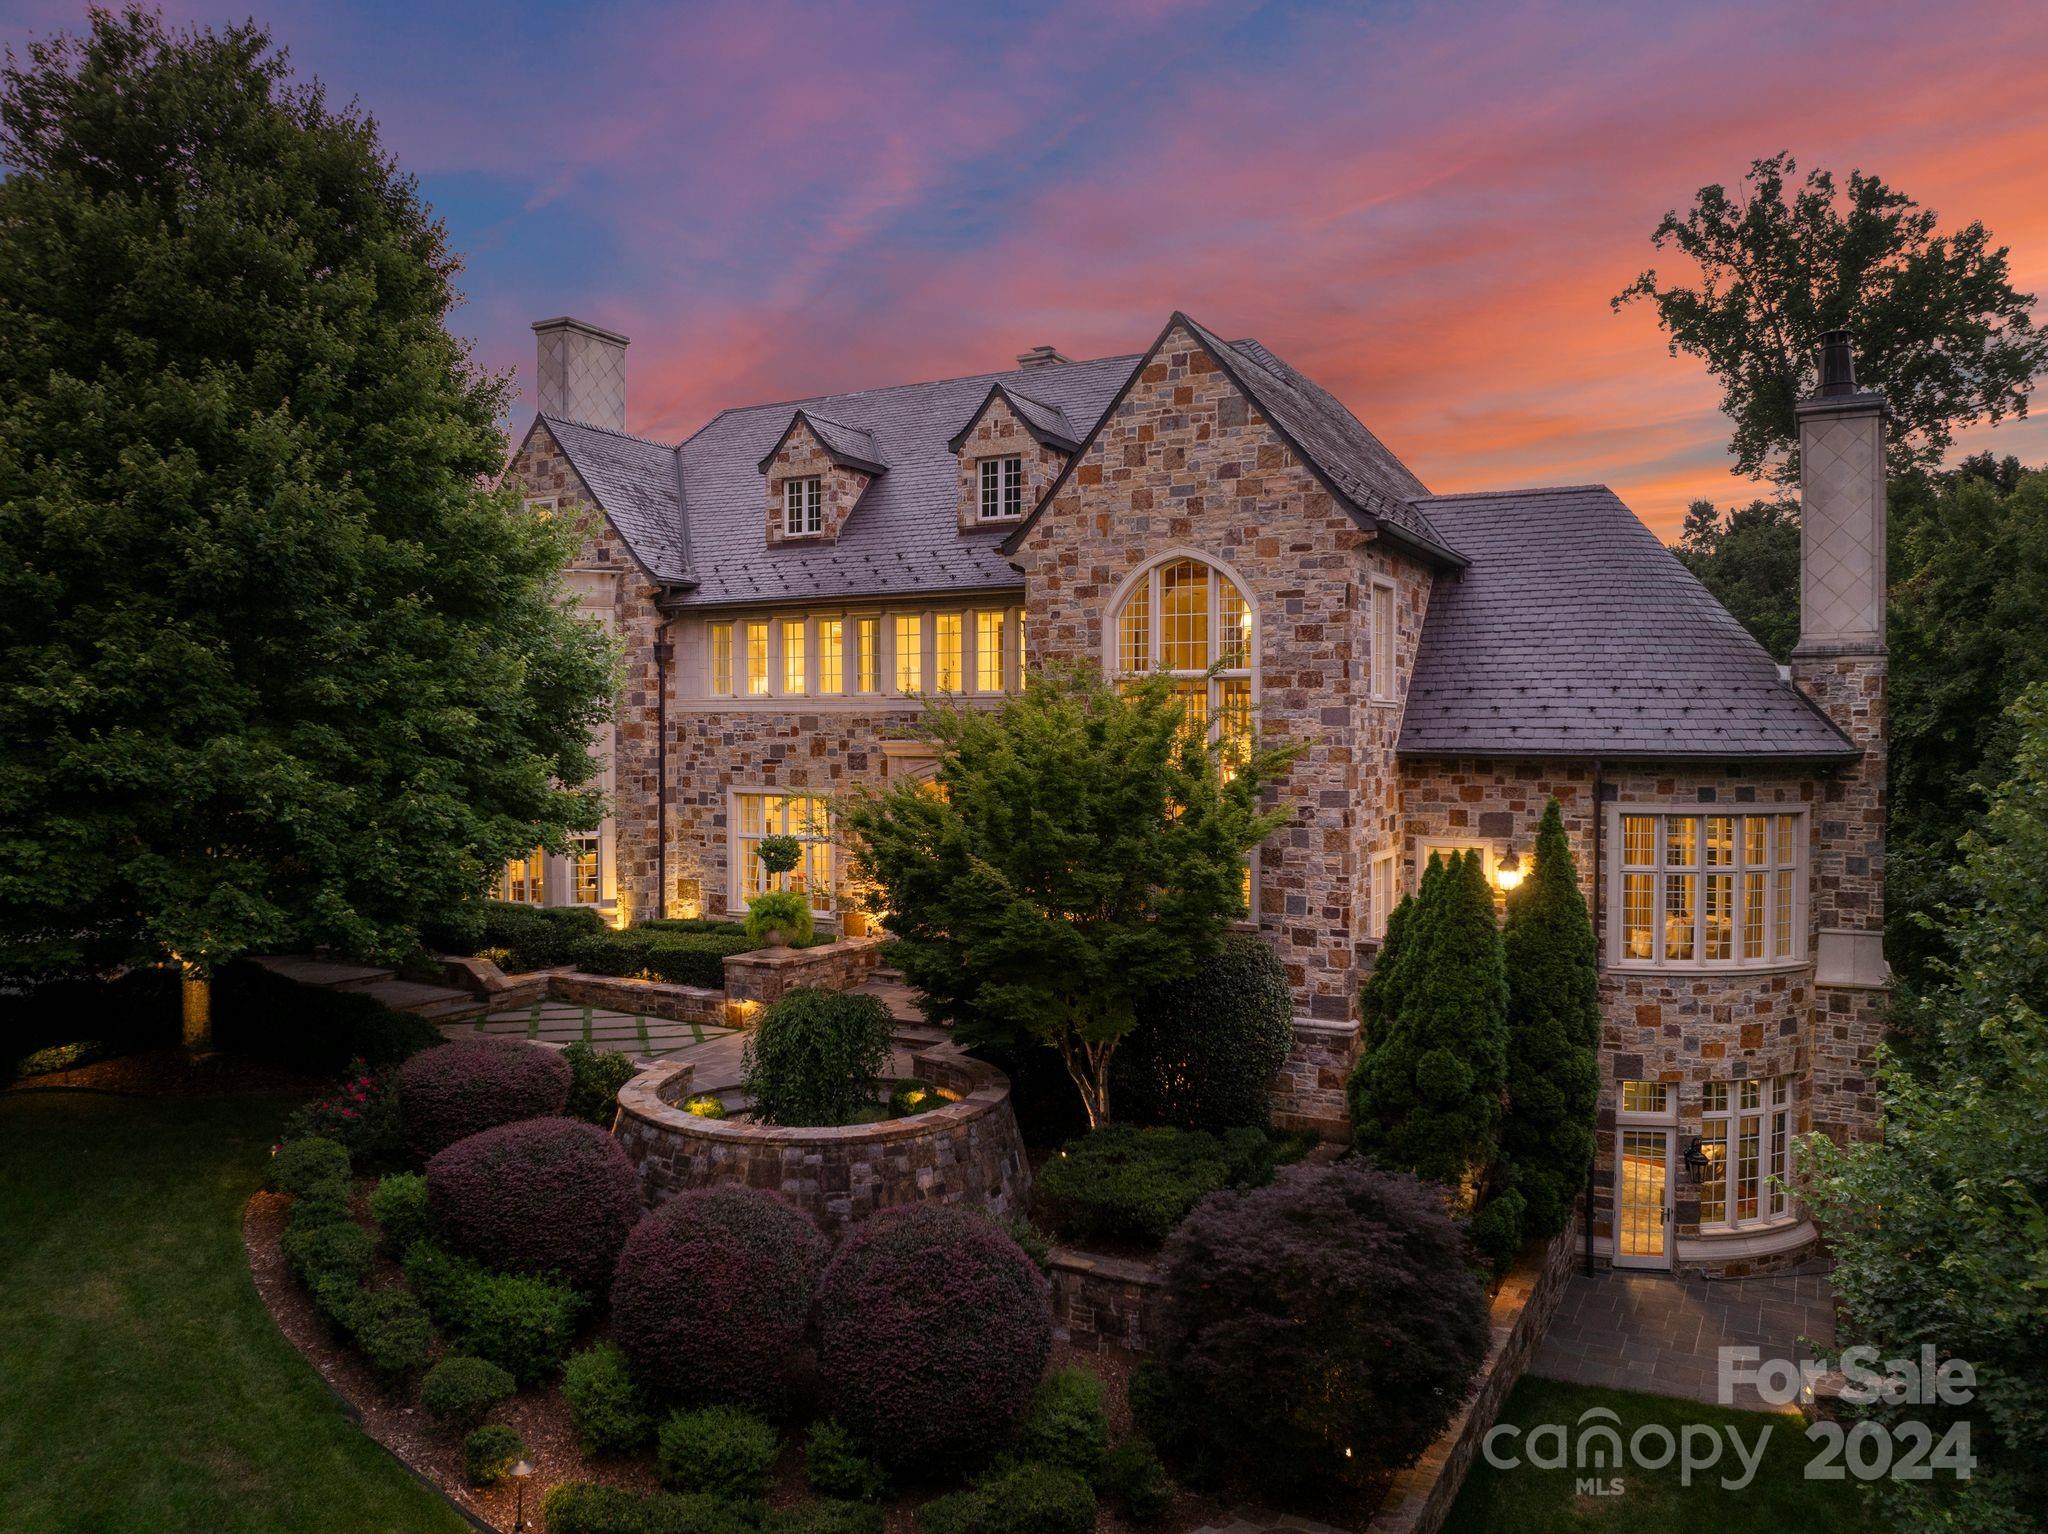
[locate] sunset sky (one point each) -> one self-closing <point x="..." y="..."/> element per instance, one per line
<point x="1424" y="207"/>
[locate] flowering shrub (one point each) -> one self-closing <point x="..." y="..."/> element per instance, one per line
<point x="546" y="1196"/>
<point x="933" y="1329"/>
<point x="1327" y="1325"/>
<point x="454" y="1091"/>
<point x="719" y="1272"/>
<point x="360" y="1113"/>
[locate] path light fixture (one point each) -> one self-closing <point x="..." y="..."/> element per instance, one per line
<point x="520" y="1472"/>
<point x="1507" y="873"/>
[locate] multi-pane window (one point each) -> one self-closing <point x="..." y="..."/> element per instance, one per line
<point x="1707" y="888"/>
<point x="1383" y="642"/>
<point x="1017" y="627"/>
<point x="988" y="652"/>
<point x="805" y="817"/>
<point x="946" y="635"/>
<point x="909" y="637"/>
<point x="803" y="507"/>
<point x="794" y="674"/>
<point x="1746" y="1134"/>
<point x="756" y="637"/>
<point x="522" y="878"/>
<point x="1382" y="893"/>
<point x="1191" y="620"/>
<point x="721" y="659"/>
<point x="1002" y="488"/>
<point x="831" y="655"/>
<point x="586" y="886"/>
<point x="867" y="660"/>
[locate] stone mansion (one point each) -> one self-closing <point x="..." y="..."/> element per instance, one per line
<point x="788" y="582"/>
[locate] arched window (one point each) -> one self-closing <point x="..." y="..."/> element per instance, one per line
<point x="1187" y="618"/>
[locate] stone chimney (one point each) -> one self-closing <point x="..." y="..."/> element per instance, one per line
<point x="1840" y="664"/>
<point x="1040" y="357"/>
<point x="580" y="372"/>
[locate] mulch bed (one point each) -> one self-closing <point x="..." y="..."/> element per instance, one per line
<point x="173" y="1073"/>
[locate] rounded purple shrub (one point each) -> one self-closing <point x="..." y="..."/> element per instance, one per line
<point x="933" y="1330"/>
<point x="543" y="1196"/>
<point x="453" y="1090"/>
<point x="713" y="1296"/>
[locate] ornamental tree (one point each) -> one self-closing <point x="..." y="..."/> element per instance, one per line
<point x="1553" y="1033"/>
<point x="1427" y="1097"/>
<point x="275" y="667"/>
<point x="1082" y="848"/>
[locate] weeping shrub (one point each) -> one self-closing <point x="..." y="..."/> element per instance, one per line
<point x="1206" y="1049"/>
<point x="817" y="1057"/>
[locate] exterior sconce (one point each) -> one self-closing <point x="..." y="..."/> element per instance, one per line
<point x="1507" y="873"/>
<point x="1695" y="1157"/>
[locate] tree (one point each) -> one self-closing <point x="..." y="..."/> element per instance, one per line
<point x="1940" y="1233"/>
<point x="1553" y="1033"/>
<point x="1748" y="557"/>
<point x="274" y="669"/>
<point x="1427" y="1097"/>
<point x="1082" y="848"/>
<point x="1938" y="325"/>
<point x="1379" y="998"/>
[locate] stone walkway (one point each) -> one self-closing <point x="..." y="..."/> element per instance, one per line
<point x="561" y="1022"/>
<point x="1663" y="1335"/>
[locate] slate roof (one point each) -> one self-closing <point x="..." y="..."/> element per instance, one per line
<point x="634" y="480"/>
<point x="852" y="446"/>
<point x="1574" y="632"/>
<point x="1046" y="423"/>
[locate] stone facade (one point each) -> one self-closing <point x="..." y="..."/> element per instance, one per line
<point x="998" y="433"/>
<point x="968" y="1152"/>
<point x="803" y="456"/>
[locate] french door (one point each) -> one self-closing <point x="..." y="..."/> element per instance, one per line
<point x="1642" y="1198"/>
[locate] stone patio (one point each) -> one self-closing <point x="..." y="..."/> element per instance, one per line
<point x="1655" y="1333"/>
<point x="561" y="1023"/>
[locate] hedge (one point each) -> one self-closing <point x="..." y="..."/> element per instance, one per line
<point x="678" y="958"/>
<point x="586" y="1507"/>
<point x="1024" y="1499"/>
<point x="523" y="1325"/>
<point x="933" y="1329"/>
<point x="459" y="1089"/>
<point x="724" y="1273"/>
<point x="549" y="1197"/>
<point x="1206" y="1049"/>
<point x="1122" y="1183"/>
<point x="531" y="937"/>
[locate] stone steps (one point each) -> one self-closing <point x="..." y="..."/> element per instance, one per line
<point x="436" y="1003"/>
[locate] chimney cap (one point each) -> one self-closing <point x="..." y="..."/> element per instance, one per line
<point x="569" y="322"/>
<point x="1041" y="357"/>
<point x="1837" y="364"/>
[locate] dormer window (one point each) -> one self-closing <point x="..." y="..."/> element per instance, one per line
<point x="1002" y="488"/>
<point x="803" y="507"/>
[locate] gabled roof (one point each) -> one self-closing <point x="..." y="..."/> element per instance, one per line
<point x="1574" y="632"/>
<point x="1352" y="464"/>
<point x="1048" y="424"/>
<point x="850" y="447"/>
<point x="634" y="480"/>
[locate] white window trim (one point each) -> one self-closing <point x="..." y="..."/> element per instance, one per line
<point x="736" y="900"/>
<point x="789" y="495"/>
<point x="1489" y="854"/>
<point x="1384" y="590"/>
<point x="1774" y="1156"/>
<point x="1381" y="898"/>
<point x="542" y="505"/>
<point x="1002" y="464"/>
<point x="1801" y="955"/>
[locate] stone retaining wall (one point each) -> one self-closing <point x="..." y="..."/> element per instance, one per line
<point x="650" y="998"/>
<point x="968" y="1152"/>
<point x="764" y="974"/>
<point x="1100" y="1301"/>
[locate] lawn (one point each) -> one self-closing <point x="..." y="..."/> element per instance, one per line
<point x="1532" y="1501"/>
<point x="142" y="1383"/>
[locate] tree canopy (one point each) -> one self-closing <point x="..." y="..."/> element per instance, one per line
<point x="1748" y="557"/>
<point x="275" y="668"/>
<point x="1080" y="847"/>
<point x="1939" y="326"/>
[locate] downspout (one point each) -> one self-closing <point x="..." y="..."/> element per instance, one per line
<point x="1599" y="963"/>
<point x="662" y="651"/>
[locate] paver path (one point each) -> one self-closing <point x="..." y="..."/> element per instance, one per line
<point x="1651" y="1332"/>
<point x="561" y="1023"/>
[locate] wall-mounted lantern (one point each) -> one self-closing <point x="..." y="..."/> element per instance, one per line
<point x="1507" y="873"/>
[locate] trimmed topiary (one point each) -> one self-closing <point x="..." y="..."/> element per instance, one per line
<point x="836" y="1466"/>
<point x="1206" y="1049"/>
<point x="817" y="1057"/>
<point x="337" y="1249"/>
<point x="1024" y="1499"/>
<point x="605" y="1404"/>
<point x="459" y="1089"/>
<point x="1067" y="1424"/>
<point x="523" y="1325"/>
<point x="1326" y="1326"/>
<point x="489" y="1453"/>
<point x="393" y="1332"/>
<point x="595" y="1077"/>
<point x="459" y="1392"/>
<point x="724" y="1450"/>
<point x="300" y="1167"/>
<point x="399" y="1206"/>
<point x="726" y="1271"/>
<point x="585" y="1507"/>
<point x="933" y="1330"/>
<point x="543" y="1197"/>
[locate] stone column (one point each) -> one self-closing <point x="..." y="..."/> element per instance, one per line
<point x="1840" y="665"/>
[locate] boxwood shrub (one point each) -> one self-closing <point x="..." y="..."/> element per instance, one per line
<point x="399" y="1206"/>
<point x="718" y="1272"/>
<point x="724" y="1450"/>
<point x="607" y="1407"/>
<point x="679" y="958"/>
<point x="523" y="1325"/>
<point x="530" y="937"/>
<point x="1067" y="1424"/>
<point x="1124" y="1183"/>
<point x="550" y="1197"/>
<point x="337" y="1249"/>
<point x="836" y="1466"/>
<point x="1327" y="1326"/>
<point x="933" y="1330"/>
<point x="489" y="1453"/>
<point x="1134" y="1479"/>
<point x="459" y="1392"/>
<point x="452" y="1092"/>
<point x="595" y="1077"/>
<point x="586" y="1507"/>
<point x="300" y="1167"/>
<point x="1205" y="1049"/>
<point x="1024" y="1499"/>
<point x="824" y="1518"/>
<point x="393" y="1332"/>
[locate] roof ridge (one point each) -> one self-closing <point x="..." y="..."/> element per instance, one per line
<point x="1472" y="495"/>
<point x="609" y="431"/>
<point x="915" y="383"/>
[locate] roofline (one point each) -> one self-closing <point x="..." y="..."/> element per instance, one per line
<point x="1010" y="398"/>
<point x="842" y="460"/>
<point x="1366" y="518"/>
<point x="813" y="602"/>
<point x="1526" y="752"/>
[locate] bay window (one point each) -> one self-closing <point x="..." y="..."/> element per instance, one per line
<point x="1705" y="888"/>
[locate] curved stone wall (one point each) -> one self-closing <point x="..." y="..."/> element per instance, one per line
<point x="968" y="1152"/>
